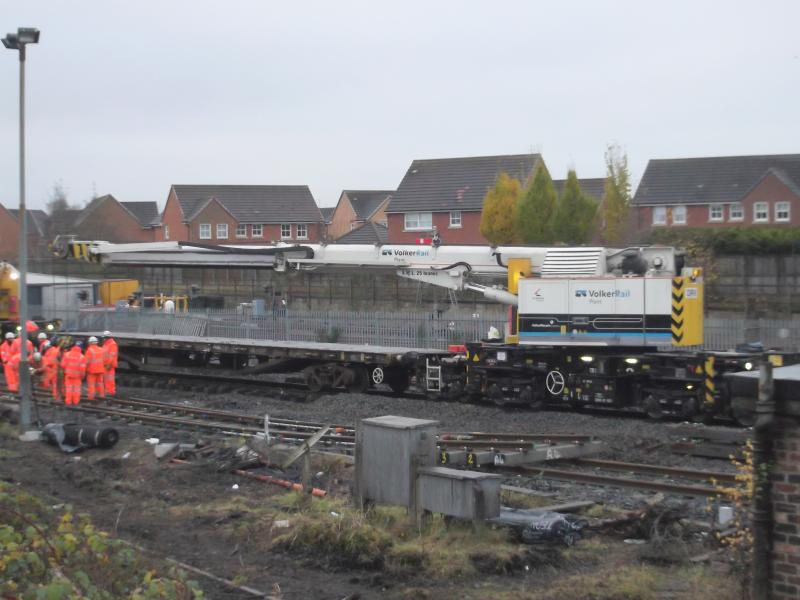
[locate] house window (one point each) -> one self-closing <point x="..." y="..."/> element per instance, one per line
<point x="417" y="221"/>
<point x="302" y="231"/>
<point x="257" y="231"/>
<point x="166" y="232"/>
<point x="660" y="215"/>
<point x="455" y="218"/>
<point x="679" y="215"/>
<point x="782" y="212"/>
<point x="241" y="231"/>
<point x="716" y="212"/>
<point x="760" y="212"/>
<point x="736" y="212"/>
<point x="205" y="231"/>
<point x="222" y="231"/>
<point x="286" y="232"/>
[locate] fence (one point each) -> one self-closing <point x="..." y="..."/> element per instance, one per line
<point x="397" y="329"/>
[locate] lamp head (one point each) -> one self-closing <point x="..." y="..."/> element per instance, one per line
<point x="24" y="35"/>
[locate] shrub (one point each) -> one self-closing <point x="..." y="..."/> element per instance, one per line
<point x="45" y="554"/>
<point x="734" y="240"/>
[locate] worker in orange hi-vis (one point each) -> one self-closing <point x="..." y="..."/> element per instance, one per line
<point x="15" y="345"/>
<point x="12" y="372"/>
<point x="74" y="365"/>
<point x="40" y="340"/>
<point x="5" y="354"/>
<point x="95" y="370"/>
<point x="111" y="360"/>
<point x="50" y="360"/>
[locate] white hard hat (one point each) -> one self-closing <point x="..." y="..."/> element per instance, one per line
<point x="10" y="335"/>
<point x="106" y="333"/>
<point x="92" y="340"/>
<point x="42" y="336"/>
<point x="37" y="356"/>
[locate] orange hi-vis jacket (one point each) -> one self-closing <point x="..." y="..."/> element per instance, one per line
<point x="50" y="359"/>
<point x="95" y="360"/>
<point x="112" y="353"/>
<point x="74" y="363"/>
<point x="15" y="345"/>
<point x="5" y="351"/>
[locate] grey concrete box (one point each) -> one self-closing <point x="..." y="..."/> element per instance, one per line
<point x="463" y="494"/>
<point x="388" y="450"/>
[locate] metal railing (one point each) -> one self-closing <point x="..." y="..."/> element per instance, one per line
<point x="398" y="329"/>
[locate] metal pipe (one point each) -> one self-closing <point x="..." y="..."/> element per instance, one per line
<point x="761" y="512"/>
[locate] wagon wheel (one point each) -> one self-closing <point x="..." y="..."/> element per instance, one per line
<point x="377" y="375"/>
<point x="314" y="380"/>
<point x="744" y="411"/>
<point x="555" y="382"/>
<point x="653" y="407"/>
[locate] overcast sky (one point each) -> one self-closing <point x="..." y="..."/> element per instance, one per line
<point x="129" y="97"/>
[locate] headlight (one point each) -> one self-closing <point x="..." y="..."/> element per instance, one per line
<point x="587" y="359"/>
<point x="748" y="366"/>
<point x="632" y="361"/>
<point x="50" y="327"/>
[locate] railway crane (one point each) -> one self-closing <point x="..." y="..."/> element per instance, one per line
<point x="588" y="326"/>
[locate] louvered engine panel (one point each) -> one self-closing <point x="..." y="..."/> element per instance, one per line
<point x="574" y="261"/>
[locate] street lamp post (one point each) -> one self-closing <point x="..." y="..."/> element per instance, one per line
<point x="18" y="41"/>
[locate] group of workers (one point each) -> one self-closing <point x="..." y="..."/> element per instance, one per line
<point x="61" y="368"/>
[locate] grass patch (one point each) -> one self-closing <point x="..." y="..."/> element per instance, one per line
<point x="519" y="500"/>
<point x="632" y="582"/>
<point x="7" y="430"/>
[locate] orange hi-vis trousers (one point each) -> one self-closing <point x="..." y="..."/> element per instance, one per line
<point x="110" y="383"/>
<point x="72" y="387"/>
<point x="94" y="384"/>
<point x="50" y="381"/>
<point x="12" y="378"/>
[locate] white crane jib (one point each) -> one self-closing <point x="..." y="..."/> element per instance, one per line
<point x="476" y="268"/>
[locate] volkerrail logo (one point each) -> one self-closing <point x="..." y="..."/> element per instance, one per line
<point x="405" y="252"/>
<point x="597" y="294"/>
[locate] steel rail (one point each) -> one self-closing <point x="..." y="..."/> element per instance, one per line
<point x="656" y="470"/>
<point x="281" y="430"/>
<point x="640" y="484"/>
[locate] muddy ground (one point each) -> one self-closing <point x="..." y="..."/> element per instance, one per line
<point x="193" y="513"/>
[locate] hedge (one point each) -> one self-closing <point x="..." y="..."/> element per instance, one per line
<point x="738" y="240"/>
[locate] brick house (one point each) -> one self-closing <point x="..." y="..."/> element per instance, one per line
<point x="241" y="214"/>
<point x="725" y="191"/>
<point x="366" y="233"/>
<point x="356" y="207"/>
<point x="10" y="230"/>
<point x="447" y="195"/>
<point x="106" y="218"/>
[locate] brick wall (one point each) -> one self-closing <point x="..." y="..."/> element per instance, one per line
<point x="468" y="233"/>
<point x="770" y="190"/>
<point x="109" y="221"/>
<point x="172" y="221"/>
<point x="786" y="511"/>
<point x="9" y="235"/>
<point x="341" y="219"/>
<point x="215" y="214"/>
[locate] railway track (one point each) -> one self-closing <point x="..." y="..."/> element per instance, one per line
<point x="655" y="478"/>
<point x="588" y="471"/>
<point x="153" y="412"/>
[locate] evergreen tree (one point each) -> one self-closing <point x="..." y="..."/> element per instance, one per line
<point x="536" y="209"/>
<point x="575" y="218"/>
<point x="617" y="196"/>
<point x="497" y="217"/>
